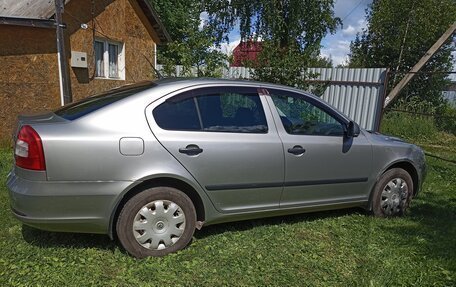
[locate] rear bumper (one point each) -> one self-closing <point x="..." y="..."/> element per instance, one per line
<point x="64" y="206"/>
<point x="422" y="173"/>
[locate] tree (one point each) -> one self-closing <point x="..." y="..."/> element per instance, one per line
<point x="290" y="30"/>
<point x="399" y="33"/>
<point x="194" y="45"/>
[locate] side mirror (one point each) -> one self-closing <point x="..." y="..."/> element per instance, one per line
<point x="352" y="129"/>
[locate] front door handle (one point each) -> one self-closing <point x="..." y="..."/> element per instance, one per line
<point x="191" y="149"/>
<point x="297" y="150"/>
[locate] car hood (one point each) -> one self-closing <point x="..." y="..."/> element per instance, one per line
<point x="379" y="139"/>
<point x="383" y="138"/>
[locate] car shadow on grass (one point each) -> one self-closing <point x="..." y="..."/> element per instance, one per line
<point x="46" y="239"/>
<point x="269" y="221"/>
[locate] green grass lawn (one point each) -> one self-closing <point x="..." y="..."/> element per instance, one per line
<point x="341" y="248"/>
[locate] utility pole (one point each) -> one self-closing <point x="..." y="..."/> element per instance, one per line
<point x="64" y="77"/>
<point x="396" y="90"/>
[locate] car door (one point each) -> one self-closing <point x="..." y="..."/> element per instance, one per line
<point x="225" y="139"/>
<point x="322" y="164"/>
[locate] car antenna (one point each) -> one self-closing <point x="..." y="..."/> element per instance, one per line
<point x="157" y="73"/>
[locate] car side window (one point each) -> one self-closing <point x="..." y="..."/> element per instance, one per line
<point x="300" y="117"/>
<point x="213" y="110"/>
<point x="232" y="112"/>
<point x="177" y="115"/>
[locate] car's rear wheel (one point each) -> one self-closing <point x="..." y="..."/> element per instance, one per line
<point x="392" y="193"/>
<point x="156" y="222"/>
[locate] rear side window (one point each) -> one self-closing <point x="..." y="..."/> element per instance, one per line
<point x="81" y="108"/>
<point x="177" y="115"/>
<point x="213" y="110"/>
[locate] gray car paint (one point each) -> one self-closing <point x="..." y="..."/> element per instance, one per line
<point x="341" y="158"/>
<point x="87" y="175"/>
<point x="226" y="160"/>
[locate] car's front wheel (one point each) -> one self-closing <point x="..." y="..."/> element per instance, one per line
<point x="392" y="193"/>
<point x="156" y="222"/>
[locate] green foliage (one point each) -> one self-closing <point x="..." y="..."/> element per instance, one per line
<point x="409" y="126"/>
<point x="441" y="117"/>
<point x="193" y="45"/>
<point x="291" y="32"/>
<point x="287" y="23"/>
<point x="446" y="119"/>
<point x="285" y="66"/>
<point x="399" y="33"/>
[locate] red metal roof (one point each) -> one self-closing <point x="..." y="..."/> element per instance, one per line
<point x="246" y="51"/>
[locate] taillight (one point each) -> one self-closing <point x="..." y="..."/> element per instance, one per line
<point x="29" y="152"/>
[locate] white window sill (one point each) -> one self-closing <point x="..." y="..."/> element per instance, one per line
<point x="112" y="79"/>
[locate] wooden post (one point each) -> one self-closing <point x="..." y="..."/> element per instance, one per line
<point x="396" y="90"/>
<point x="64" y="76"/>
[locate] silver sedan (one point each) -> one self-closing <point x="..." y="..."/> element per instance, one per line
<point x="148" y="163"/>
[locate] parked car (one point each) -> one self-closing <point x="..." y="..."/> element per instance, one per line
<point x="150" y="162"/>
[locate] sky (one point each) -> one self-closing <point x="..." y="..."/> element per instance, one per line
<point x="352" y="13"/>
<point x="336" y="46"/>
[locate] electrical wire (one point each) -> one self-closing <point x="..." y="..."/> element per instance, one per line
<point x="352" y="10"/>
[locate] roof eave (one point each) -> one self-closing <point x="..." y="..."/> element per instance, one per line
<point x="27" y="22"/>
<point x="155" y="21"/>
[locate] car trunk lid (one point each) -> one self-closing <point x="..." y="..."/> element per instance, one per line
<point x="31" y="120"/>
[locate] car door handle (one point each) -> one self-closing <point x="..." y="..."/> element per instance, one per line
<point x="191" y="150"/>
<point x="297" y="150"/>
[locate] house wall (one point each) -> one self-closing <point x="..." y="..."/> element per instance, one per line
<point x="29" y="80"/>
<point x="117" y="21"/>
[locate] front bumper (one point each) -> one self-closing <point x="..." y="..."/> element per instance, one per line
<point x="64" y="206"/>
<point x="422" y="173"/>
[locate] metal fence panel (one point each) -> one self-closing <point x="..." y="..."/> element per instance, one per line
<point x="356" y="92"/>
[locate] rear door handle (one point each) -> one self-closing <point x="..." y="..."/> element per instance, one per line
<point x="297" y="150"/>
<point x="191" y="149"/>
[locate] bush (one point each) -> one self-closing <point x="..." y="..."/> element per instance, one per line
<point x="446" y="119"/>
<point x="409" y="126"/>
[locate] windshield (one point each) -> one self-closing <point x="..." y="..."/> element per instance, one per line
<point x="81" y="108"/>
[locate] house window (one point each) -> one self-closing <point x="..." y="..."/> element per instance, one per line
<point x="109" y="60"/>
<point x="99" y="62"/>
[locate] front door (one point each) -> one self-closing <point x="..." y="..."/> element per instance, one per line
<point x="322" y="165"/>
<point x="224" y="138"/>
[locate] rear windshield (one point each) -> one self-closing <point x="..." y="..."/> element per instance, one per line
<point x="81" y="108"/>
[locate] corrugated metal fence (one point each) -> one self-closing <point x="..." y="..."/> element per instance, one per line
<point x="358" y="93"/>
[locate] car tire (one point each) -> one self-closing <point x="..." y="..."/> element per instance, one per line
<point x="156" y="222"/>
<point x="392" y="193"/>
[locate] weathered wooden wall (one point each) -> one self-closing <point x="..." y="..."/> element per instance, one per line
<point x="117" y="21"/>
<point x="29" y="81"/>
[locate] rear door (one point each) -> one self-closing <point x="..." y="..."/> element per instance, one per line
<point x="225" y="137"/>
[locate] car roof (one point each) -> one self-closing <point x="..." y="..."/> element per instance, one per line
<point x="205" y="81"/>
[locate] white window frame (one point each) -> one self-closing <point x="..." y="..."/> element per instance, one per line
<point x="120" y="59"/>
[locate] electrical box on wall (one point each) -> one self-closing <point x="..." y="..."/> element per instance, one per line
<point x="78" y="59"/>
